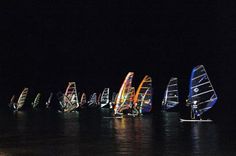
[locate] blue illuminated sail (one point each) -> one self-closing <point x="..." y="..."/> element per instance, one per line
<point x="202" y="95"/>
<point x="171" y="97"/>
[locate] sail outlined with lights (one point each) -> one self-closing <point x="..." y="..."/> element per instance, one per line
<point x="49" y="100"/>
<point x="83" y="100"/>
<point x="21" y="101"/>
<point x="12" y="101"/>
<point x="171" y="97"/>
<point x="124" y="90"/>
<point x="92" y="101"/>
<point x="71" y="101"/>
<point x="143" y="96"/>
<point x="105" y="98"/>
<point x="36" y="101"/>
<point x="128" y="101"/>
<point x="146" y="103"/>
<point x="202" y="95"/>
<point x="99" y="99"/>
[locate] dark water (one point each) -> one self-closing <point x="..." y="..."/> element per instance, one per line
<point x="88" y="133"/>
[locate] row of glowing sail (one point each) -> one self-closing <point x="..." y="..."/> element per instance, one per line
<point x="126" y="100"/>
<point x="201" y="96"/>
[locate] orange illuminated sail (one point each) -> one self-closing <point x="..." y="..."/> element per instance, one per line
<point x="143" y="96"/>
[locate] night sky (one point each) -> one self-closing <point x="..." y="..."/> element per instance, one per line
<point x="95" y="43"/>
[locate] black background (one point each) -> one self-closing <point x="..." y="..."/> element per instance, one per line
<point x="43" y="45"/>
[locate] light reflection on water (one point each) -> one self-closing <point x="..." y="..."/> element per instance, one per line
<point x="88" y="133"/>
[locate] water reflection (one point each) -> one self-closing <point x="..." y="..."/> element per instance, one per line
<point x="204" y="138"/>
<point x="88" y="133"/>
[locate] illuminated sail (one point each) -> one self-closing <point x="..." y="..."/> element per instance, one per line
<point x="171" y="98"/>
<point x="143" y="96"/>
<point x="146" y="103"/>
<point x="36" y="100"/>
<point x="49" y="100"/>
<point x="60" y="97"/>
<point x="70" y="97"/>
<point x="105" y="98"/>
<point x="99" y="99"/>
<point x="93" y="100"/>
<point x="202" y="95"/>
<point x="128" y="101"/>
<point x="124" y="90"/>
<point x="83" y="100"/>
<point x="12" y="101"/>
<point x="22" y="98"/>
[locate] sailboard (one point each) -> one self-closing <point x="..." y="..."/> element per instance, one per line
<point x="171" y="97"/>
<point x="202" y="95"/>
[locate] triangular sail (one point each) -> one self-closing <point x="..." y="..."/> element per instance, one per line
<point x="36" y="100"/>
<point x="49" y="100"/>
<point x="171" y="97"/>
<point x="71" y="98"/>
<point x="144" y="92"/>
<point x="12" y="101"/>
<point x="124" y="90"/>
<point x="105" y="97"/>
<point x="22" y="98"/>
<point x="202" y="95"/>
<point x="146" y="103"/>
<point x="99" y="99"/>
<point x="83" y="100"/>
<point x="60" y="97"/>
<point x="93" y="100"/>
<point x="128" y="101"/>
